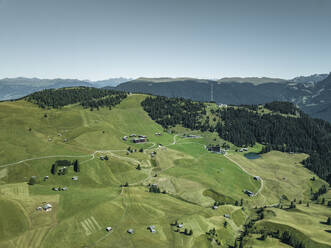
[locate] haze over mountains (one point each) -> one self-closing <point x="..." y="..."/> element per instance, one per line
<point x="13" y="88"/>
<point x="311" y="93"/>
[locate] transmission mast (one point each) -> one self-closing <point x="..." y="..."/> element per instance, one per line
<point x="211" y="92"/>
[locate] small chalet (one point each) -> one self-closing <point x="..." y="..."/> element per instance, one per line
<point x="214" y="207"/>
<point x="227" y="216"/>
<point x="62" y="170"/>
<point x="47" y="207"/>
<point x="130" y="231"/>
<point x="75" y="178"/>
<point x="151" y="229"/>
<point x="213" y="148"/>
<point x="257" y="178"/>
<point x="180" y="225"/>
<point x="249" y="193"/>
<point x="109" y="228"/>
<point x="125" y="138"/>
<point x="139" y="140"/>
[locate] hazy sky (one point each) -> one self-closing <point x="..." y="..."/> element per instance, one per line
<point x="97" y="39"/>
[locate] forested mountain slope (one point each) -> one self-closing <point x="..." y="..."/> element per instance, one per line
<point x="312" y="96"/>
<point x="291" y="130"/>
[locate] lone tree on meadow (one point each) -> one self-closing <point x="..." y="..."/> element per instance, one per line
<point x="76" y="166"/>
<point x="328" y="222"/>
<point x="138" y="167"/>
<point x="53" y="169"/>
<point x="32" y="180"/>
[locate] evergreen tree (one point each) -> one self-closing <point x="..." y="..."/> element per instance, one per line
<point x="32" y="180"/>
<point x="225" y="224"/>
<point x="263" y="236"/>
<point x="53" y="169"/>
<point x="76" y="166"/>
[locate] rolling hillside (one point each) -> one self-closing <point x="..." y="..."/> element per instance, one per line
<point x="120" y="191"/>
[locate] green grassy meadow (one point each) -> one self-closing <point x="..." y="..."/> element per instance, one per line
<point x="192" y="178"/>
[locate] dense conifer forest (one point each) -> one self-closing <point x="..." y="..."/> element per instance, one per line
<point x="174" y="111"/>
<point x="282" y="107"/>
<point x="245" y="126"/>
<point x="85" y="96"/>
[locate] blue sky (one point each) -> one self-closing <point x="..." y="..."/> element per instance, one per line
<point x="99" y="39"/>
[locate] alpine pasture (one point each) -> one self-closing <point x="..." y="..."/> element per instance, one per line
<point x="115" y="192"/>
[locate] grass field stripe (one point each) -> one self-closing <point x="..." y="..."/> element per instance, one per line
<point x="96" y="223"/>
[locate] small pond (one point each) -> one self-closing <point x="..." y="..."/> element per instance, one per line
<point x="252" y="155"/>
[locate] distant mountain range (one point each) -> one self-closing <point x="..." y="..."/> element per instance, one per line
<point x="311" y="93"/>
<point x="309" y="79"/>
<point x="13" y="88"/>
